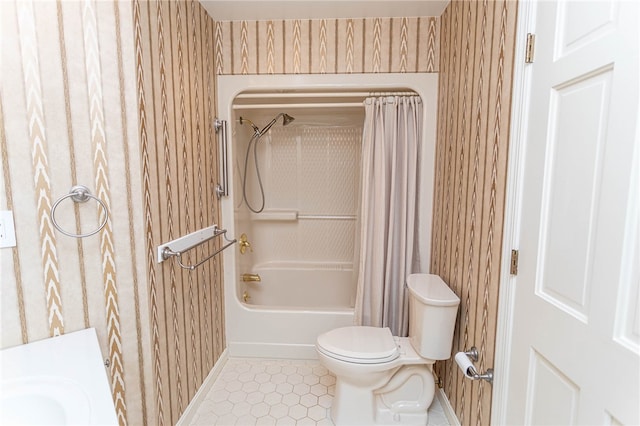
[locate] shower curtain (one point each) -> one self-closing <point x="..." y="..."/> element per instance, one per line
<point x="391" y="143"/>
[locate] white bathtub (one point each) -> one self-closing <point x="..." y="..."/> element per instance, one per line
<point x="302" y="286"/>
<point x="287" y="309"/>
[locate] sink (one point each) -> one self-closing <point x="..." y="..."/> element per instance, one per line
<point x="51" y="394"/>
<point x="56" y="381"/>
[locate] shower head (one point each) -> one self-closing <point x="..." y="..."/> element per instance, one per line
<point x="286" y="119"/>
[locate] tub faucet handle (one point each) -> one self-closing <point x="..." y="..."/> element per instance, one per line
<point x="243" y="243"/>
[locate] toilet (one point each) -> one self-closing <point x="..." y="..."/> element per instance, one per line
<point x="387" y="380"/>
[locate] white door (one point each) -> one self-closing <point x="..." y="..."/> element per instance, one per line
<point x="576" y="328"/>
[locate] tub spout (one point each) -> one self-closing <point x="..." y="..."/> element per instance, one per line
<point x="251" y="277"/>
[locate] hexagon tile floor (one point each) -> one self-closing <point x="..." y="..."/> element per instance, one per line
<point x="275" y="392"/>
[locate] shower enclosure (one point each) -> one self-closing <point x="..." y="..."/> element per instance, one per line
<point x="294" y="177"/>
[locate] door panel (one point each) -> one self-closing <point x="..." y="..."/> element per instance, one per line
<point x="553" y="396"/>
<point x="578" y="116"/>
<point x="575" y="332"/>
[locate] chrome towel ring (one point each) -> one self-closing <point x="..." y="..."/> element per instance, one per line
<point x="79" y="194"/>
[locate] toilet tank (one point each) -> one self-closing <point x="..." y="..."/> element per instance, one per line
<point x="433" y="307"/>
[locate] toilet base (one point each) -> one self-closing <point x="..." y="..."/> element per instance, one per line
<point x="401" y="400"/>
<point x="405" y="399"/>
<point x="354" y="404"/>
<point x="387" y="416"/>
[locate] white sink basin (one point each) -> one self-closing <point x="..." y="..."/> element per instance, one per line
<point x="57" y="381"/>
<point x="51" y="395"/>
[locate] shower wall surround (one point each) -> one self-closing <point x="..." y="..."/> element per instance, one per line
<point x="476" y="67"/>
<point x="68" y="116"/>
<point x="314" y="171"/>
<point x="328" y="46"/>
<point x="176" y="106"/>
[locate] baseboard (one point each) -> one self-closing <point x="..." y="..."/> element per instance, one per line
<point x="191" y="409"/>
<point x="447" y="408"/>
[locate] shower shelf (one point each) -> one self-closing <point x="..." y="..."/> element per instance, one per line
<point x="179" y="246"/>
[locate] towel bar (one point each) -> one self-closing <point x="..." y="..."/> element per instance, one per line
<point x="187" y="242"/>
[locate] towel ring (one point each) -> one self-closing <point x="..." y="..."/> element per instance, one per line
<point x="79" y="194"/>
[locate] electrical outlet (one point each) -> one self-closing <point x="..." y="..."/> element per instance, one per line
<point x="7" y="230"/>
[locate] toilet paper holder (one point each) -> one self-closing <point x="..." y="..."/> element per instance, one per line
<point x="471" y="370"/>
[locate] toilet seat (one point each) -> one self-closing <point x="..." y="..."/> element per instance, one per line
<point x="359" y="344"/>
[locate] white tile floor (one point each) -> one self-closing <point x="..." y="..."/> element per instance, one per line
<point x="275" y="392"/>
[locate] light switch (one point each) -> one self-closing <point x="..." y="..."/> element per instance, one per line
<point x="7" y="230"/>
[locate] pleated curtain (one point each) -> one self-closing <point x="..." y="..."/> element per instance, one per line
<point x="390" y="164"/>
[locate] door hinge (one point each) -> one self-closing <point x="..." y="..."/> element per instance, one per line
<point x="514" y="262"/>
<point x="531" y="46"/>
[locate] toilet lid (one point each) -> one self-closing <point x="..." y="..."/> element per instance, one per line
<point x="359" y="344"/>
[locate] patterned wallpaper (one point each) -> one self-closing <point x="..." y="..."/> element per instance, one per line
<point x="327" y="46"/>
<point x="473" y="44"/>
<point x="176" y="108"/>
<point x="476" y="65"/>
<point x="68" y="116"/>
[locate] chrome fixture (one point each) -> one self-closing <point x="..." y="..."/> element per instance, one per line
<point x="220" y="126"/>
<point x="473" y="373"/>
<point x="189" y="241"/>
<point x="286" y="120"/>
<point x="472" y="353"/>
<point x="251" y="278"/>
<point x="79" y="194"/>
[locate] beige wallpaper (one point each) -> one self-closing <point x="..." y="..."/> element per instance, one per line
<point x="471" y="46"/>
<point x="476" y="65"/>
<point x="176" y="107"/>
<point x="327" y="46"/>
<point x="68" y="116"/>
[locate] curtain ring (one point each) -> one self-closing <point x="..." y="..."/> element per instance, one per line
<point x="79" y="194"/>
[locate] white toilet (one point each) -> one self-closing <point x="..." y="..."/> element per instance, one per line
<point x="382" y="379"/>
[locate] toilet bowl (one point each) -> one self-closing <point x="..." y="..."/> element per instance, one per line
<point x="382" y="379"/>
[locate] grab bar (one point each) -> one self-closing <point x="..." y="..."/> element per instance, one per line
<point x="326" y="217"/>
<point x="187" y="242"/>
<point x="221" y="127"/>
<point x="291" y="215"/>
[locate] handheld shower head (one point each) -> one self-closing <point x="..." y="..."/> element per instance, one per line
<point x="286" y="119"/>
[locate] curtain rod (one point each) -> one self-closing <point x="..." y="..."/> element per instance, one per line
<point x="307" y="105"/>
<point x="275" y="95"/>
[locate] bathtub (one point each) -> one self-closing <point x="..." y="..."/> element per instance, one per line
<point x="301" y="286"/>
<point x="286" y="311"/>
